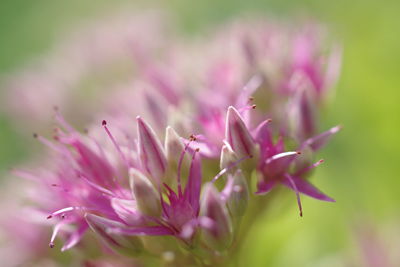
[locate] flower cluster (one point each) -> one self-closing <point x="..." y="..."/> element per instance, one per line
<point x="238" y="115"/>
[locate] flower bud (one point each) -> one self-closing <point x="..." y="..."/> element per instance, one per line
<point x="237" y="134"/>
<point x="218" y="235"/>
<point x="239" y="196"/>
<point x="126" y="245"/>
<point x="147" y="198"/>
<point x="228" y="157"/>
<point x="174" y="148"/>
<point x="127" y="211"/>
<point x="151" y="152"/>
<point x="173" y="145"/>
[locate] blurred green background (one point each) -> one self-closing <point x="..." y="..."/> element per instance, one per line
<point x="362" y="162"/>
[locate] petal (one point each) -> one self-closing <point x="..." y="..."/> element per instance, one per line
<point x="308" y="189"/>
<point x="279" y="163"/>
<point x="263" y="137"/>
<point x="164" y="84"/>
<point x="193" y="187"/>
<point x="317" y="142"/>
<point x="265" y="187"/>
<point x="75" y="237"/>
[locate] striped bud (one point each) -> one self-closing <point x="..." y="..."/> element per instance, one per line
<point x="151" y="152"/>
<point x="127" y="245"/>
<point x="218" y="235"/>
<point x="147" y="198"/>
<point x="239" y="196"/>
<point x="237" y="134"/>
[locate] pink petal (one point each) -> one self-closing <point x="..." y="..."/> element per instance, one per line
<point x="308" y="189"/>
<point x="265" y="187"/>
<point x="317" y="142"/>
<point x="192" y="190"/>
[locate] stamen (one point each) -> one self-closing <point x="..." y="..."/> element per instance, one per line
<point x="246" y="108"/>
<point x="55" y="232"/>
<point x="95" y="186"/>
<point x="104" y="123"/>
<point x="62" y="121"/>
<point x="297" y="193"/>
<point x="230" y="166"/>
<point x="47" y="143"/>
<point x="281" y="155"/>
<point x="62" y="211"/>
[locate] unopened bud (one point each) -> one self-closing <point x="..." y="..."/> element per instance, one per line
<point x="239" y="196"/>
<point x="126" y="245"/>
<point x="237" y="134"/>
<point x="127" y="211"/>
<point x="219" y="235"/>
<point x="173" y="145"/>
<point x="151" y="152"/>
<point x="228" y="157"/>
<point x="147" y="198"/>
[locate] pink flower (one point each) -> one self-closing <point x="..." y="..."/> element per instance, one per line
<point x="252" y="101"/>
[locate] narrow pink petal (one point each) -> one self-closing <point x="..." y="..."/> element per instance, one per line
<point x="278" y="163"/>
<point x="75" y="237"/>
<point x="317" y="142"/>
<point x="164" y="84"/>
<point x="192" y="190"/>
<point x="263" y="135"/>
<point x="308" y="189"/>
<point x="265" y="187"/>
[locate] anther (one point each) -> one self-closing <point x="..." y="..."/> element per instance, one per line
<point x="51" y="245"/>
<point x="35" y="135"/>
<point x="104" y="123"/>
<point x="253" y="106"/>
<point x="192" y="137"/>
